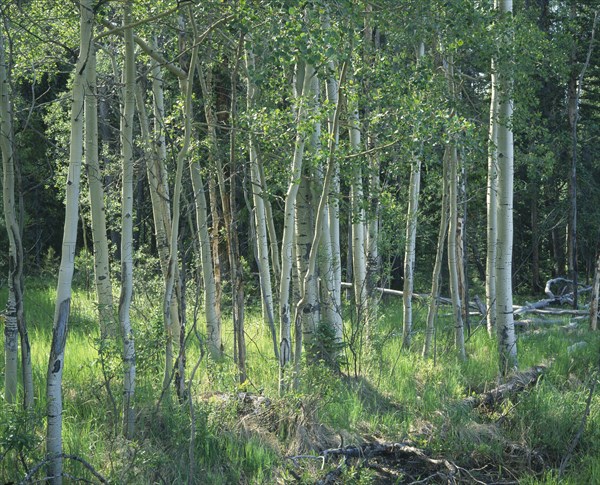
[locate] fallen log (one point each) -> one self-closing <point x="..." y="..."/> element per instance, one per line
<point x="517" y="383"/>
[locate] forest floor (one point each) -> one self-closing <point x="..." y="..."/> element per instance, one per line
<point x="387" y="415"/>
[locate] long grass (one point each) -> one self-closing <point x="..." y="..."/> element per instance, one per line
<point x="397" y="395"/>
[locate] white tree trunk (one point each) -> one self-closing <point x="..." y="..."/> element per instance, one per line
<point x="11" y="332"/>
<point x="409" y="251"/>
<point x="492" y="206"/>
<point x="333" y="280"/>
<point x="359" y="258"/>
<point x="127" y="226"/>
<point x="287" y="241"/>
<point x="504" y="313"/>
<point x="96" y="190"/>
<point x="260" y="216"/>
<point x="54" y="406"/>
<point x="439" y="256"/>
<point x="452" y="253"/>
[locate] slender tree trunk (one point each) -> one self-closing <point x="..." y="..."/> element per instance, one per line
<point x="54" y="405"/>
<point x="127" y="226"/>
<point x="359" y="265"/>
<point x="439" y="256"/>
<point x="452" y="252"/>
<point x="11" y="332"/>
<point x="492" y="206"/>
<point x="172" y="273"/>
<point x="287" y="241"/>
<point x="311" y="266"/>
<point x="409" y="252"/>
<point x="15" y="312"/>
<point x="334" y="281"/>
<point x="504" y="311"/>
<point x="260" y="217"/>
<point x="96" y="189"/>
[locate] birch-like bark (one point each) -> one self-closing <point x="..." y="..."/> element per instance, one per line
<point x="287" y="241"/>
<point x="333" y="280"/>
<point x="172" y="273"/>
<point x="11" y="332"/>
<point x="359" y="259"/>
<point x="159" y="197"/>
<point x="54" y="407"/>
<point x="507" y="342"/>
<point x="439" y="256"/>
<point x="409" y="251"/>
<point x="492" y="206"/>
<point x="309" y="319"/>
<point x="311" y="267"/>
<point x="260" y="216"/>
<point x="15" y="312"/>
<point x="127" y="226"/>
<point x="96" y="189"/>
<point x="452" y="253"/>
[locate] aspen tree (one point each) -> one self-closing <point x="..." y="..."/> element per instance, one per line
<point x="308" y="320"/>
<point x="411" y="238"/>
<point x="359" y="260"/>
<point x="333" y="273"/>
<point x="507" y="342"/>
<point x="492" y="206"/>
<point x="125" y="299"/>
<point x="54" y="405"/>
<point x="97" y="208"/>
<point x="260" y="216"/>
<point x="287" y="241"/>
<point x="439" y="256"/>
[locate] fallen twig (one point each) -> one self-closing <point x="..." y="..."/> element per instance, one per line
<point x="48" y="459"/>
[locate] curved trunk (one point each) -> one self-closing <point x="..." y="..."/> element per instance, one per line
<point x="287" y="241"/>
<point x="452" y="253"/>
<point x="260" y="217"/>
<point x="54" y="407"/>
<point x="439" y="256"/>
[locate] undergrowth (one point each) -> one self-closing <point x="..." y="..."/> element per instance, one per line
<point x="248" y="434"/>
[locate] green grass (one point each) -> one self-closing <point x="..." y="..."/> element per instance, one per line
<point x="397" y="395"/>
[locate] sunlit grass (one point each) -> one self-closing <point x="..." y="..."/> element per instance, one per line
<point x="397" y="395"/>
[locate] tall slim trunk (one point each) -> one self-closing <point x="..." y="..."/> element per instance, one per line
<point x="96" y="189"/>
<point x="11" y="332"/>
<point x="439" y="256"/>
<point x="159" y="197"/>
<point x="127" y="225"/>
<point x="333" y="280"/>
<point x="409" y="252"/>
<point x="260" y="216"/>
<point x="452" y="253"/>
<point x="54" y="407"/>
<point x="287" y="240"/>
<point x="507" y="342"/>
<point x="359" y="260"/>
<point x="492" y="206"/>
<point x="310" y="273"/>
<point x="305" y="226"/>
<point x="172" y="274"/>
<point x="230" y="215"/>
